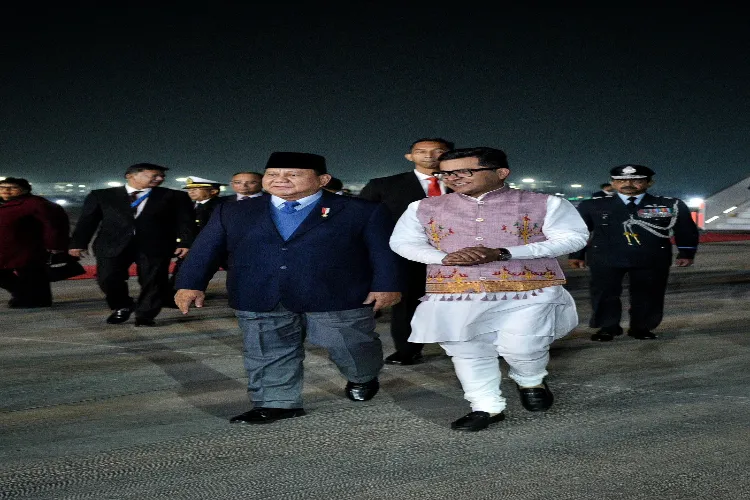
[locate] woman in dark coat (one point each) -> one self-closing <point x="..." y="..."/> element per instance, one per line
<point x="30" y="228"/>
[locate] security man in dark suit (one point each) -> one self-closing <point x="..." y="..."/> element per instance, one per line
<point x="139" y="223"/>
<point x="246" y="185"/>
<point x="631" y="234"/>
<point x="397" y="192"/>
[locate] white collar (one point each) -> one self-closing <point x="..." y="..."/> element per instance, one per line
<point x="131" y="189"/>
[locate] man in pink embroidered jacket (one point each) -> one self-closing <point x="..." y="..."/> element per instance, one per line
<point x="494" y="285"/>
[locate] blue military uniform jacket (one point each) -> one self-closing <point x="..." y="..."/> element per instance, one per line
<point x="331" y="262"/>
<point x="622" y="237"/>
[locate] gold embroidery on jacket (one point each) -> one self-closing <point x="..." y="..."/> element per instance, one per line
<point x="524" y="228"/>
<point x="437" y="232"/>
<point x="491" y="286"/>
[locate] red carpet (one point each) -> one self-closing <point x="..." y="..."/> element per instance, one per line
<point x="91" y="272"/>
<point x="709" y="237"/>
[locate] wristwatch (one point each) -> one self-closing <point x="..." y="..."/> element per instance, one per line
<point x="504" y="254"/>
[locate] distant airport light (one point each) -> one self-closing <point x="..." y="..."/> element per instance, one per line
<point x="69" y="185"/>
<point x="82" y="185"/>
<point x="61" y="202"/>
<point x="527" y="180"/>
<point x="730" y="209"/>
<point x="559" y="194"/>
<point x="712" y="219"/>
<point x="695" y="202"/>
<point x="576" y="185"/>
<point x="114" y="184"/>
<point x="2" y="178"/>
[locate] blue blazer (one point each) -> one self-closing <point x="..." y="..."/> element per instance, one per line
<point x="330" y="263"/>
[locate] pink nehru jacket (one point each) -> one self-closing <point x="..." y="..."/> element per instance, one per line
<point x="502" y="218"/>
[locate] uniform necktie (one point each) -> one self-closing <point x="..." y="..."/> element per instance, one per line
<point x="133" y="197"/>
<point x="631" y="202"/>
<point x="288" y="207"/>
<point x="433" y="189"/>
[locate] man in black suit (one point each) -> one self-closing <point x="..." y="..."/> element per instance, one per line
<point x="245" y="185"/>
<point x="397" y="192"/>
<point x="139" y="223"/>
<point x="630" y="234"/>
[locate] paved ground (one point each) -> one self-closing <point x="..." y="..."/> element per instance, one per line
<point x="94" y="411"/>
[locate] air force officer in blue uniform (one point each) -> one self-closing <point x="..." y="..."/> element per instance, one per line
<point x="302" y="263"/>
<point x="631" y="234"/>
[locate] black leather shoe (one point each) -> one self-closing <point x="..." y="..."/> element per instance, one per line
<point x="536" y="398"/>
<point x="641" y="334"/>
<point x="476" y="421"/>
<point x="119" y="316"/>
<point x="266" y="415"/>
<point x="362" y="392"/>
<point x="398" y="358"/>
<point x="606" y="334"/>
<point x="144" y="322"/>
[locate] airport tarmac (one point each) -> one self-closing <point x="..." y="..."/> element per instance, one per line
<point x="97" y="411"/>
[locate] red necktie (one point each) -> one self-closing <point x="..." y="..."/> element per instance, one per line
<point x="434" y="188"/>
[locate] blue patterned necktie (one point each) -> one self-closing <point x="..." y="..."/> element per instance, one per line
<point x="288" y="207"/>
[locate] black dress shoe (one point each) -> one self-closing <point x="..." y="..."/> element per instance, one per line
<point x="606" y="334"/>
<point x="119" y="316"/>
<point x="400" y="358"/>
<point x="144" y="322"/>
<point x="362" y="392"/>
<point x="266" y="415"/>
<point x="536" y="398"/>
<point x="641" y="334"/>
<point x="476" y="421"/>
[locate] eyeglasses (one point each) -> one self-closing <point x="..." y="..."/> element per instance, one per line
<point x="461" y="173"/>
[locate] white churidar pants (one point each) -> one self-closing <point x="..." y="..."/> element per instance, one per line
<point x="474" y="333"/>
<point x="478" y="367"/>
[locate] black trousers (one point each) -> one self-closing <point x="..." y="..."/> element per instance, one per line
<point x="28" y="286"/>
<point x="153" y="278"/>
<point x="415" y="275"/>
<point x="647" y="286"/>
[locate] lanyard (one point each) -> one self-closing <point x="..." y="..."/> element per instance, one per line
<point x="140" y="200"/>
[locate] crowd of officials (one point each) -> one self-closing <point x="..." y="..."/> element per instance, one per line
<point x="458" y="257"/>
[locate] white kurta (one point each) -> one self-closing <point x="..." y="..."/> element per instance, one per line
<point x="459" y="317"/>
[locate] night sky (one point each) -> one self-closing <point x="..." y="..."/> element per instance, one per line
<point x="566" y="93"/>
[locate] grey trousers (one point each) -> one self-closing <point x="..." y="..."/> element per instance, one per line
<point x="274" y="350"/>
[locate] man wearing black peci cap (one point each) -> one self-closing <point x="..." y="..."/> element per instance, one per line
<point x="303" y="263"/>
<point x="630" y="234"/>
